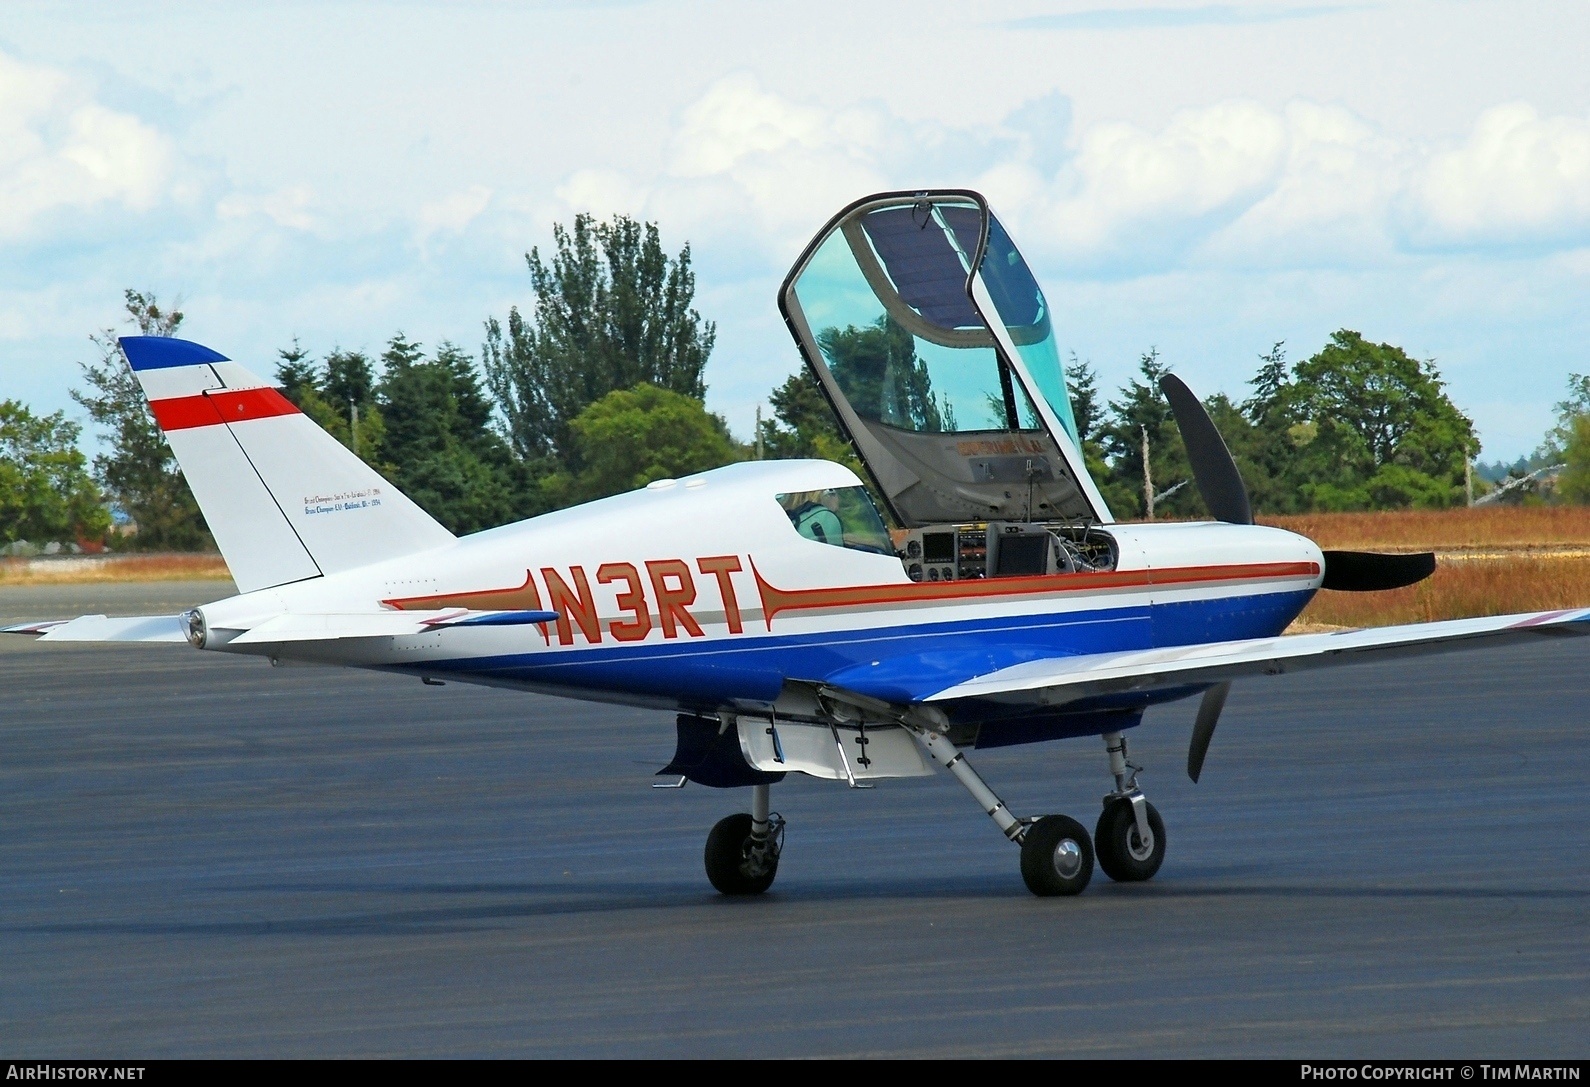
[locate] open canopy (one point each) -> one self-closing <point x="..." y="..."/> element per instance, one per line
<point x="934" y="344"/>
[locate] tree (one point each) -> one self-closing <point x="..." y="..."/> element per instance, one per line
<point x="1268" y="404"/>
<point x="1142" y="409"/>
<point x="1558" y="438"/>
<point x="1374" y="429"/>
<point x="631" y="437"/>
<point x="139" y="472"/>
<point x="336" y="396"/>
<point x="1573" y="482"/>
<point x="349" y="381"/>
<point x="1567" y="443"/>
<point x="438" y="444"/>
<point x="1083" y="384"/>
<point x="612" y="310"/>
<point x="295" y="373"/>
<point x="46" y="493"/>
<point x="803" y="423"/>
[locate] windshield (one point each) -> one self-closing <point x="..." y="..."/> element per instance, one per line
<point x="886" y="301"/>
<point x="1025" y="315"/>
<point x="842" y="516"/>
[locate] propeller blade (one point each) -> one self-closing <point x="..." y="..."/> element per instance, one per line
<point x="1204" y="728"/>
<point x="1215" y="472"/>
<point x="1367" y="572"/>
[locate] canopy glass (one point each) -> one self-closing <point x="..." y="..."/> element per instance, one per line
<point x="940" y="403"/>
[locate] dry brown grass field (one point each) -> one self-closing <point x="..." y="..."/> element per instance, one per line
<point x="92" y="568"/>
<point x="1482" y="528"/>
<point x="1494" y="560"/>
<point x="1462" y="587"/>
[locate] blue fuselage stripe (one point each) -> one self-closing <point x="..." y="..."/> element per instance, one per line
<point x="937" y="655"/>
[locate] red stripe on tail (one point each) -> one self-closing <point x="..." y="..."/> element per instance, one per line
<point x="226" y="406"/>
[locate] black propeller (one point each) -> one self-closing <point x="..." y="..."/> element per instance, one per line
<point x="1224" y="493"/>
<point x="1368" y="572"/>
<point x="1215" y="472"/>
<point x="1204" y="728"/>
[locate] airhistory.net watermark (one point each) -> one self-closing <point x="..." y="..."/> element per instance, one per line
<point x="60" y="1070"/>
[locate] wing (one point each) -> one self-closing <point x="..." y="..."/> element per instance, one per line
<point x="1055" y="681"/>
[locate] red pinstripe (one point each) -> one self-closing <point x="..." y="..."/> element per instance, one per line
<point x="775" y="600"/>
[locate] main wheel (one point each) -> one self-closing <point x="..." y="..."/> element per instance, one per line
<point x="1056" y="857"/>
<point x="1123" y="854"/>
<point x="733" y="865"/>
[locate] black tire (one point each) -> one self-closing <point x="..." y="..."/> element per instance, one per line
<point x="1120" y="848"/>
<point x="728" y="867"/>
<point x="1056" y="857"/>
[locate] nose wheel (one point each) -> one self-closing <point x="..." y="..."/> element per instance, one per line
<point x="1123" y="852"/>
<point x="1130" y="836"/>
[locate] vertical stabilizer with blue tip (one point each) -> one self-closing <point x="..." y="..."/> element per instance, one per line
<point x="285" y="500"/>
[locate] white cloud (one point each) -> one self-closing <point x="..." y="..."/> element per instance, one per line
<point x="602" y="193"/>
<point x="1204" y="162"/>
<point x="289" y="207"/>
<point x="62" y="151"/>
<point x="455" y="211"/>
<point x="1328" y="203"/>
<point x="1233" y="183"/>
<point x="1518" y="178"/>
<point x="735" y="120"/>
<point x="749" y="168"/>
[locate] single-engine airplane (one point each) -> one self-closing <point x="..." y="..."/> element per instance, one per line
<point x="766" y="604"/>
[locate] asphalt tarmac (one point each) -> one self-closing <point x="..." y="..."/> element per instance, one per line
<point x="205" y="856"/>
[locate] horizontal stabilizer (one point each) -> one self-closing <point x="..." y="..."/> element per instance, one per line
<point x="499" y="619"/>
<point x="100" y="628"/>
<point x="1058" y="680"/>
<point x="295" y="627"/>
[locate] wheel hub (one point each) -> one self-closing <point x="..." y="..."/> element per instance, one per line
<point x="1067" y="858"/>
<point x="1139" y="847"/>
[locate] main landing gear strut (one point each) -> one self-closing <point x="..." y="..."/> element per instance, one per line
<point x="1056" y="855"/>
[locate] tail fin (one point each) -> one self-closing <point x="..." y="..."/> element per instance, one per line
<point x="285" y="500"/>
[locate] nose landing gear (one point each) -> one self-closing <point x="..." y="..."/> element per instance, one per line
<point x="1130" y="836"/>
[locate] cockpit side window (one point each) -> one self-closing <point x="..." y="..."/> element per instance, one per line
<point x="842" y="516"/>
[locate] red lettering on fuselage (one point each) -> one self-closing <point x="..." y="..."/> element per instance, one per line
<point x="673" y="600"/>
<point x="573" y="603"/>
<point x="721" y="566"/>
<point x="633" y="601"/>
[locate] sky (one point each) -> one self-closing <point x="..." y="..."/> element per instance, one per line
<point x="1201" y="178"/>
